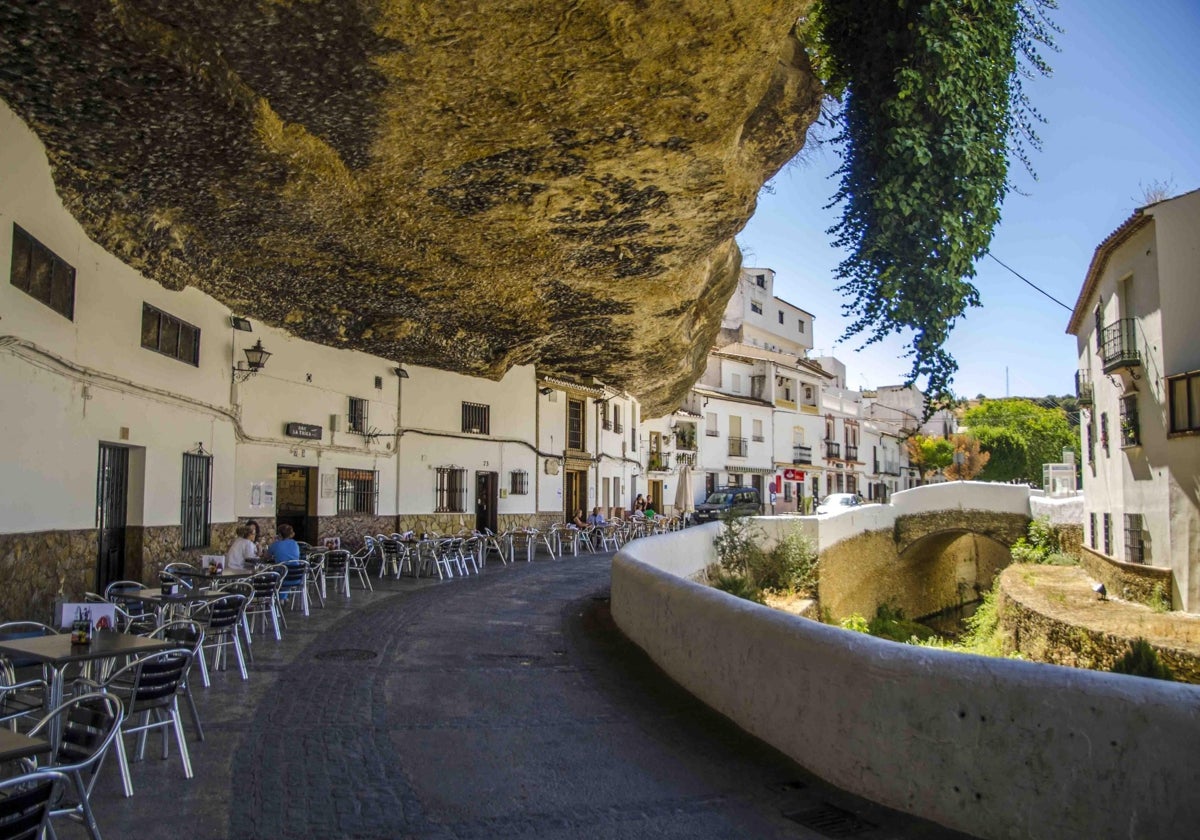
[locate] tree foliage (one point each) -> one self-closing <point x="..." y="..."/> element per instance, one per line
<point x="930" y="455"/>
<point x="933" y="107"/>
<point x="1043" y="432"/>
<point x="1008" y="450"/>
<point x="968" y="461"/>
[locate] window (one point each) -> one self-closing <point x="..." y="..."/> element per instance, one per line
<point x="756" y="307"/>
<point x="195" y="500"/>
<point x="450" y="490"/>
<point x="1108" y="534"/>
<point x="633" y="422"/>
<point x="575" y="425"/>
<point x="616" y="422"/>
<point x="781" y="316"/>
<point x="760" y="280"/>
<point x="710" y="424"/>
<point x="757" y="430"/>
<point x="476" y="418"/>
<point x="40" y="273"/>
<point x="802" y="326"/>
<point x="166" y="334"/>
<point x="358" y="491"/>
<point x="1095" y="531"/>
<point x="735" y="383"/>
<point x="1130" y="432"/>
<point x="1135" y="547"/>
<point x="787" y="491"/>
<point x="1104" y="433"/>
<point x="518" y="482"/>
<point x="1091" y="444"/>
<point x="358" y="415"/>
<point x="1184" y="397"/>
<point x="605" y="419"/>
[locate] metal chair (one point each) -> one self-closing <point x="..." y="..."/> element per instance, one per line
<point x="18" y="699"/>
<point x="190" y="634"/>
<point x="220" y="620"/>
<point x="389" y="554"/>
<point x="148" y="687"/>
<point x="337" y="569"/>
<point x="294" y="586"/>
<point x="86" y="726"/>
<point x="266" y="600"/>
<point x="25" y="804"/>
<point x="358" y="565"/>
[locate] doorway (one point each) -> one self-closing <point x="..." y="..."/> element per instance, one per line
<point x="575" y="497"/>
<point x="487" y="499"/>
<point x="296" y="502"/>
<point x="756" y="481"/>
<point x="112" y="496"/>
<point x="654" y="495"/>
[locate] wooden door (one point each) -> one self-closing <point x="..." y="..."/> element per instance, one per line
<point x="112" y="494"/>
<point x="487" y="499"/>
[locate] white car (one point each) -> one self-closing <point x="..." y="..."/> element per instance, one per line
<point x="838" y="502"/>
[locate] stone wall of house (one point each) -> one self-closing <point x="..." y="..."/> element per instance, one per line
<point x="1149" y="585"/>
<point x="452" y="523"/>
<point x="37" y="567"/>
<point x="1070" y="538"/>
<point x="351" y="528"/>
<point x="1036" y="633"/>
<point x="149" y="549"/>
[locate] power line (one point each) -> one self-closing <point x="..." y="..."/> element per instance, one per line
<point x="1043" y="291"/>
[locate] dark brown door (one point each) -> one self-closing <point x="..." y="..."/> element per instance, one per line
<point x="112" y="492"/>
<point x="294" y="488"/>
<point x="487" y="498"/>
<point x="575" y="497"/>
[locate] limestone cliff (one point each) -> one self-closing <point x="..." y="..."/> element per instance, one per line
<point x="466" y="185"/>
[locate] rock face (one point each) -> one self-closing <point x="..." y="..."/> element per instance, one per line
<point x="465" y="185"/>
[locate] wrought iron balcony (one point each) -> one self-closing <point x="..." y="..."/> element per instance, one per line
<point x="851" y="452"/>
<point x="1118" y="345"/>
<point x="688" y="458"/>
<point x="617" y="426"/>
<point x="801" y="454"/>
<point x="738" y="447"/>
<point x="1083" y="387"/>
<point x="833" y="449"/>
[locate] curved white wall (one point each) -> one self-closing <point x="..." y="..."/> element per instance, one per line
<point x="998" y="748"/>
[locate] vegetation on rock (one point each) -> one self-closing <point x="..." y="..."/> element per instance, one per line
<point x="1141" y="660"/>
<point x="744" y="569"/>
<point x="1041" y="545"/>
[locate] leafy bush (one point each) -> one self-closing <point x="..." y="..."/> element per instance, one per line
<point x="1160" y="599"/>
<point x="791" y="566"/>
<point x="889" y="623"/>
<point x="856" y="623"/>
<point x="733" y="583"/>
<point x="1041" y="545"/>
<point x="1141" y="660"/>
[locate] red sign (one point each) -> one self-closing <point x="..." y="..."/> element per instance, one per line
<point x="793" y="475"/>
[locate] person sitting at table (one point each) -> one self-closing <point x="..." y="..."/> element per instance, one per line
<point x="285" y="549"/>
<point x="255" y="536"/>
<point x="241" y="553"/>
<point x="597" y="518"/>
<point x="639" y="504"/>
<point x="650" y="514"/>
<point x="577" y="520"/>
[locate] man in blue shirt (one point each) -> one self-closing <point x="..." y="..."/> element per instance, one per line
<point x="285" y="549"/>
<point x="597" y="518"/>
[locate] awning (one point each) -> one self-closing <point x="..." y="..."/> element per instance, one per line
<point x="733" y="468"/>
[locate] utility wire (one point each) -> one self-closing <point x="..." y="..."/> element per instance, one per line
<point x="1043" y="291"/>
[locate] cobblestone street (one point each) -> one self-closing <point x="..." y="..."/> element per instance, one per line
<point x="504" y="705"/>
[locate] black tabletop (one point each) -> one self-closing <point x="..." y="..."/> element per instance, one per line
<point x="59" y="650"/>
<point x="180" y="596"/>
<point x="14" y="745"/>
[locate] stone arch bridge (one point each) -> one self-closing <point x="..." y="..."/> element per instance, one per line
<point x="931" y="548"/>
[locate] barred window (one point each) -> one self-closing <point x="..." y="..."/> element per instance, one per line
<point x="617" y="426"/>
<point x="1095" y="531"/>
<point x="1104" y="433"/>
<point x="1131" y="434"/>
<point x="605" y="420"/>
<point x="195" y="500"/>
<point x="476" y="418"/>
<point x="170" y="336"/>
<point x="358" y="491"/>
<point x="40" y="273"/>
<point x="576" y="433"/>
<point x="756" y="307"/>
<point x="1135" y="547"/>
<point x="1090" y="453"/>
<point x="357" y="415"/>
<point x="1108" y="534"/>
<point x="451" y="490"/>
<point x="518" y="482"/>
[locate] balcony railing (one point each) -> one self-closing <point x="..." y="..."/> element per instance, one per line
<point x="780" y="402"/>
<point x="712" y="433"/>
<point x="833" y="449"/>
<point x="617" y="427"/>
<point x="608" y="426"/>
<point x="851" y="452"/>
<point x="688" y="458"/>
<point x="887" y="468"/>
<point x="801" y="454"/>
<point x="1083" y="387"/>
<point x="737" y="447"/>
<point x="757" y="438"/>
<point x="1118" y="345"/>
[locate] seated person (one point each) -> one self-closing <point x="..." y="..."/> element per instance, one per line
<point x="285" y="549"/>
<point x="577" y="520"/>
<point x="242" y="552"/>
<point x="597" y="518"/>
<point x="639" y="504"/>
<point x="650" y="514"/>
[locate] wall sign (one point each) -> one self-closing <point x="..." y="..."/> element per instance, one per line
<point x="303" y="430"/>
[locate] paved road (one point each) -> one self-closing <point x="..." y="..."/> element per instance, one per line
<point x="504" y="705"/>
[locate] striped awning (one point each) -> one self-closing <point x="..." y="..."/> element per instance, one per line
<point x="737" y="468"/>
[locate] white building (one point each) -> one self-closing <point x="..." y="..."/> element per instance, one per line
<point x="1139" y="383"/>
<point x="754" y="316"/>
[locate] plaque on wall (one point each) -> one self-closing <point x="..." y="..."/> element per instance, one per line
<point x="303" y="430"/>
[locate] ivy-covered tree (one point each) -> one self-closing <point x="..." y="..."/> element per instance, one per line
<point x="1043" y="432"/>
<point x="932" y="111"/>
<point x="1008" y="451"/>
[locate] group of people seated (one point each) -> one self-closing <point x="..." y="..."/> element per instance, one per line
<point x="243" y="552"/>
<point x="641" y="508"/>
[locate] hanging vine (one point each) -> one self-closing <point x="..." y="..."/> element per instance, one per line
<point x="933" y="109"/>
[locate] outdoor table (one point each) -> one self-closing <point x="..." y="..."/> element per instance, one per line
<point x="161" y="603"/>
<point x="203" y="580"/>
<point x="56" y="652"/>
<point x="15" y="746"/>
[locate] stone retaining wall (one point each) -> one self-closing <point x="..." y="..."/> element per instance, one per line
<point x="1130" y="581"/>
<point x="36" y="567"/>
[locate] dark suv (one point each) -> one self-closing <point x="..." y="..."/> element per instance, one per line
<point x="726" y="501"/>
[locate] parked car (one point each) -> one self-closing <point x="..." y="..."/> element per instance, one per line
<point x="838" y="502"/>
<point x="726" y="501"/>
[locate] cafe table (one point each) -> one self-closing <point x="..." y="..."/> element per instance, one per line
<point x="204" y="580"/>
<point x="178" y="601"/>
<point x="15" y="746"/>
<point x="56" y="652"/>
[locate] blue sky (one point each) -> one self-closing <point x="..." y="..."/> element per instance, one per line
<point x="1122" y="111"/>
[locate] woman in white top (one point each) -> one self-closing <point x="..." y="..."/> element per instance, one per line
<point x="241" y="550"/>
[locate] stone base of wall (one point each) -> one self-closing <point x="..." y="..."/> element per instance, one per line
<point x="149" y="549"/>
<point x="1044" y="615"/>
<point x="351" y="528"/>
<point x="1070" y="539"/>
<point x="1130" y="581"/>
<point x="452" y="523"/>
<point x="37" y="567"/>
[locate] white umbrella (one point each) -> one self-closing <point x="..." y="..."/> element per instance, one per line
<point x="685" y="498"/>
